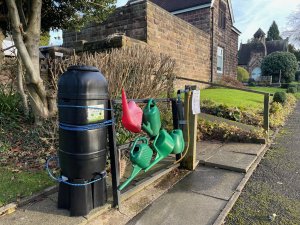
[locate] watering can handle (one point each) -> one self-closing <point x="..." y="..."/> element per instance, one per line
<point x="151" y="101"/>
<point x="144" y="139"/>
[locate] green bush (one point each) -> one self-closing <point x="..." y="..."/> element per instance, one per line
<point x="242" y="74"/>
<point x="279" y="112"/>
<point x="208" y="130"/>
<point x="280" y="97"/>
<point x="292" y="90"/>
<point x="296" y="86"/>
<point x="285" y="62"/>
<point x="285" y="85"/>
<point x="250" y="117"/>
<point x="10" y="103"/>
<point x="251" y="82"/>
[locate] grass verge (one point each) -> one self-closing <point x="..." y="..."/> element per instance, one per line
<point x="16" y="184"/>
<point x="258" y="204"/>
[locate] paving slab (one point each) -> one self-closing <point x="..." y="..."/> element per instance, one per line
<point x="178" y="208"/>
<point x="206" y="149"/>
<point x="238" y="162"/>
<point x="212" y="182"/>
<point x="45" y="213"/>
<point x="251" y="149"/>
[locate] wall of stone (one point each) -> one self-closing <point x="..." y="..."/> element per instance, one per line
<point x="162" y="31"/>
<point x="184" y="42"/>
<point x="200" y="18"/>
<point x="127" y="20"/>
<point x="226" y="39"/>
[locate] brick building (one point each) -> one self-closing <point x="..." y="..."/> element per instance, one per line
<point x="198" y="34"/>
<point x="252" y="54"/>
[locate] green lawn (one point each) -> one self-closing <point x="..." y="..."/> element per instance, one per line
<point x="241" y="99"/>
<point x="15" y="185"/>
<point x="233" y="98"/>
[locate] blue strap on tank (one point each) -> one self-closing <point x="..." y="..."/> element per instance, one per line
<point x="62" y="180"/>
<point x="65" y="126"/>
<point x="82" y="107"/>
<point x="94" y="126"/>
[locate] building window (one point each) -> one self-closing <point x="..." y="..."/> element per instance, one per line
<point x="220" y="60"/>
<point x="222" y="15"/>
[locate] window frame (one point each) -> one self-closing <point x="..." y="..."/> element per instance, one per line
<point x="221" y="55"/>
<point x="222" y="15"/>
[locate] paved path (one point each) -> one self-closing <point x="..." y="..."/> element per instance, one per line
<point x="274" y="187"/>
<point x="200" y="197"/>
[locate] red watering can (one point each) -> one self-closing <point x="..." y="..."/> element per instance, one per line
<point x="132" y="115"/>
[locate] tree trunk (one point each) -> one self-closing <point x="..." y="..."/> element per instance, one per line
<point x="2" y="37"/>
<point x="27" y="43"/>
<point x="21" y="87"/>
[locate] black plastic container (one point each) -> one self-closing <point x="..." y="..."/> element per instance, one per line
<point x="82" y="98"/>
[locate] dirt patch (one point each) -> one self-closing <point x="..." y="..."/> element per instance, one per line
<point x="170" y="179"/>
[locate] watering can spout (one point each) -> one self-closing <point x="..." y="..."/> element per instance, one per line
<point x="132" y="115"/>
<point x="135" y="171"/>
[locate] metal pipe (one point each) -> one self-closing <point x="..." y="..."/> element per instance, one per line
<point x="212" y="45"/>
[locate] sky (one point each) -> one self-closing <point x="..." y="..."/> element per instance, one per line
<point x="249" y="16"/>
<point x="253" y="14"/>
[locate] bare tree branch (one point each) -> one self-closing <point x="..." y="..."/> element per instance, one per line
<point x="21" y="13"/>
<point x="18" y="38"/>
<point x="34" y="23"/>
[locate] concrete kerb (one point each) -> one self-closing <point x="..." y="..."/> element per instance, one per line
<point x="11" y="207"/>
<point x="221" y="218"/>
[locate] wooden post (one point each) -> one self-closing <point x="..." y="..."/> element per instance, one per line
<point x="267" y="112"/>
<point x="189" y="161"/>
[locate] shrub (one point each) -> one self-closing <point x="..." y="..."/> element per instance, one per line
<point x="251" y="82"/>
<point x="231" y="113"/>
<point x="285" y="85"/>
<point x="285" y="62"/>
<point x="142" y="72"/>
<point x="279" y="112"/>
<point x="10" y="103"/>
<point x="280" y="97"/>
<point x="296" y="86"/>
<point x="292" y="90"/>
<point x="231" y="81"/>
<point x="208" y="130"/>
<point x="242" y="74"/>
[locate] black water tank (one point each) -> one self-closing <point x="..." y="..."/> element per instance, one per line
<point x="82" y="153"/>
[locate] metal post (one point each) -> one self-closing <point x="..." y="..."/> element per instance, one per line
<point x="267" y="112"/>
<point x="189" y="161"/>
<point x="175" y="120"/>
<point x="114" y="159"/>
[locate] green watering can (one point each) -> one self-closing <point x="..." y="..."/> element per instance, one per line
<point x="164" y="145"/>
<point x="178" y="139"/>
<point x="151" y="119"/>
<point x="140" y="156"/>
